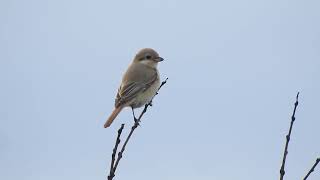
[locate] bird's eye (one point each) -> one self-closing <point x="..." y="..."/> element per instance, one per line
<point x="148" y="57"/>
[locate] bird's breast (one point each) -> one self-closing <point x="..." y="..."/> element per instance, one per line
<point x="146" y="96"/>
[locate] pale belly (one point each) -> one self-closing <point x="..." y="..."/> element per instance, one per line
<point x="146" y="96"/>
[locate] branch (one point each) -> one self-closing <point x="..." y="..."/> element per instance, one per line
<point x="312" y="169"/>
<point x="285" y="153"/>
<point x="114" y="166"/>
<point x="111" y="174"/>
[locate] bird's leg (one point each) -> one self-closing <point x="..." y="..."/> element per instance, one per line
<point x="150" y="103"/>
<point x="134" y="116"/>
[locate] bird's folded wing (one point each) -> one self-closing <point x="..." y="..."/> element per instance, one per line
<point x="129" y="91"/>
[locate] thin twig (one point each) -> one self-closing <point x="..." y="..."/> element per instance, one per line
<point x="285" y="153"/>
<point x="111" y="174"/>
<point x="135" y="125"/>
<point x="312" y="169"/>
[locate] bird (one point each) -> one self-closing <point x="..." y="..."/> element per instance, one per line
<point x="139" y="84"/>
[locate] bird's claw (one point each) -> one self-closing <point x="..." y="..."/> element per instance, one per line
<point x="136" y="121"/>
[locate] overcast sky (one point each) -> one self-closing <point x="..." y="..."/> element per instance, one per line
<point x="234" y="68"/>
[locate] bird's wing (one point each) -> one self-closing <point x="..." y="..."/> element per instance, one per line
<point x="127" y="92"/>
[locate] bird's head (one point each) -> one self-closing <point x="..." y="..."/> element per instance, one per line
<point x="148" y="57"/>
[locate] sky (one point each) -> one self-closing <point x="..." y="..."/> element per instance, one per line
<point x="234" y="69"/>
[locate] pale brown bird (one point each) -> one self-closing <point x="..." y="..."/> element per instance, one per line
<point x="139" y="84"/>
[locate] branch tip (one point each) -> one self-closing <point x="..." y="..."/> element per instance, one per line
<point x="312" y="169"/>
<point x="285" y="152"/>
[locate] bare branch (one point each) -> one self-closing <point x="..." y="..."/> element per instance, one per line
<point x="115" y="164"/>
<point x="312" y="169"/>
<point x="285" y="153"/>
<point x="111" y="174"/>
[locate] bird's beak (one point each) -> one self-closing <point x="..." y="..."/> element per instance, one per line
<point x="159" y="59"/>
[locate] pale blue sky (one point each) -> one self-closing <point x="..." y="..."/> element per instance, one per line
<point x="234" y="69"/>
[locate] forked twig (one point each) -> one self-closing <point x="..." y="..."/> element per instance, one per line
<point x="312" y="169"/>
<point x="285" y="153"/>
<point x="114" y="164"/>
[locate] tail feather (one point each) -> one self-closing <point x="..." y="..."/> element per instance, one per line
<point x="113" y="115"/>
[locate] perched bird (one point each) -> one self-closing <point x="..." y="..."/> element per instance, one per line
<point x="139" y="84"/>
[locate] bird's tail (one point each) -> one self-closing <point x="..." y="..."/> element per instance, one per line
<point x="113" y="115"/>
